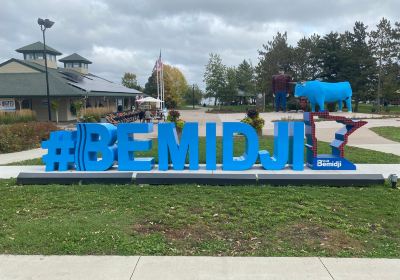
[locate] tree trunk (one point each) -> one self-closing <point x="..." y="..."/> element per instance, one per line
<point x="378" y="98"/>
<point x="20" y="103"/>
<point x="356" y="104"/>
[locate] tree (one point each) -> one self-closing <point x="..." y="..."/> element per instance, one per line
<point x="358" y="64"/>
<point x="129" y="80"/>
<point x="304" y="66"/>
<point x="329" y="57"/>
<point x="214" y="77"/>
<point x="385" y="51"/>
<point x="231" y="86"/>
<point x="246" y="79"/>
<point x="275" y="54"/>
<point x="55" y="106"/>
<point x="193" y="94"/>
<point x="150" y="88"/>
<point x="175" y="86"/>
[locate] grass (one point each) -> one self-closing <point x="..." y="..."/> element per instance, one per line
<point x="389" y="132"/>
<point x="18" y="116"/>
<point x="95" y="114"/>
<point x="362" y="108"/>
<point x="35" y="161"/>
<point x="199" y="220"/>
<point x="235" y="108"/>
<point x="356" y="155"/>
<point x="366" y="108"/>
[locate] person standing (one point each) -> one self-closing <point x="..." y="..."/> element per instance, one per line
<point x="141" y="116"/>
<point x="147" y="116"/>
<point x="280" y="89"/>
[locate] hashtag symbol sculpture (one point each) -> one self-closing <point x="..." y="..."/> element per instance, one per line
<point x="60" y="151"/>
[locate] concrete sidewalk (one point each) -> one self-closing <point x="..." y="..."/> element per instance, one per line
<point x="21" y="156"/>
<point x="177" y="268"/>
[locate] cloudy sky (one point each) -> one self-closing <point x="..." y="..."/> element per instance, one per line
<point x="127" y="35"/>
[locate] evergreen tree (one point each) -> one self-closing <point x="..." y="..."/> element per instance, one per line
<point x="275" y="54"/>
<point x="385" y="51"/>
<point x="304" y="66"/>
<point x="329" y="57"/>
<point x="214" y="77"/>
<point x="358" y="62"/>
<point x="150" y="88"/>
<point x="246" y="79"/>
<point x="231" y="86"/>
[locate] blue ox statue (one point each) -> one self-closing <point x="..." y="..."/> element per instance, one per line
<point x="320" y="92"/>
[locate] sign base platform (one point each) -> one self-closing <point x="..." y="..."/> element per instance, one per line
<point x="255" y="176"/>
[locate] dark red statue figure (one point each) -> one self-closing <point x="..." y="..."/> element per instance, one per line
<point x="280" y="89"/>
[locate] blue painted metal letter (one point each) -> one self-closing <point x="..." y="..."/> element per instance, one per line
<point x="95" y="139"/>
<point x="246" y="161"/>
<point x="281" y="148"/>
<point x="168" y="143"/>
<point x="127" y="145"/>
<point x="211" y="146"/>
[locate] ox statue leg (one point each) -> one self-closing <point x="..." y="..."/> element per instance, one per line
<point x="321" y="104"/>
<point x="312" y="107"/>
<point x="340" y="104"/>
<point x="348" y="104"/>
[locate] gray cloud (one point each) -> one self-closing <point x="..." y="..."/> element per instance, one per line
<point x="127" y="35"/>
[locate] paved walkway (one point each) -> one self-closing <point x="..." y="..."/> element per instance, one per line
<point x="7" y="172"/>
<point x="179" y="268"/>
<point x="20" y="156"/>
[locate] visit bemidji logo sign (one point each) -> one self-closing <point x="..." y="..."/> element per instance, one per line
<point x="97" y="146"/>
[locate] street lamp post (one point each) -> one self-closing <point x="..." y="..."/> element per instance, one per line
<point x="193" y="95"/>
<point x="44" y="24"/>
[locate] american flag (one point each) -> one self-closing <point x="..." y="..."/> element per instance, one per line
<point x="158" y="65"/>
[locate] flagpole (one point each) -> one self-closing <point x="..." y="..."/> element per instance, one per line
<point x="158" y="87"/>
<point x="162" y="84"/>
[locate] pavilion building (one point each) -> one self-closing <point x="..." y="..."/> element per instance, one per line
<point x="23" y="84"/>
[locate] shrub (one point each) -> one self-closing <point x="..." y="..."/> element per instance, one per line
<point x="179" y="124"/>
<point x="17" y="116"/>
<point x="76" y="107"/>
<point x="252" y="113"/>
<point x="94" y="114"/>
<point x="23" y="136"/>
<point x="258" y="124"/>
<point x="331" y="107"/>
<point x="247" y="120"/>
<point x="173" y="115"/>
<point x="253" y="119"/>
<point x="375" y="108"/>
<point x="293" y="104"/>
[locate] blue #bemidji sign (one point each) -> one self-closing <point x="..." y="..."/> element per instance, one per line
<point x="97" y="146"/>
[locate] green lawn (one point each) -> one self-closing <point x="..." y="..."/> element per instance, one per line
<point x="389" y="132"/>
<point x="199" y="220"/>
<point x="235" y="108"/>
<point x="356" y="155"/>
<point x="362" y="108"/>
<point x="366" y="108"/>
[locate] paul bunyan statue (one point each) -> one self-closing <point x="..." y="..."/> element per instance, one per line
<point x="319" y="92"/>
